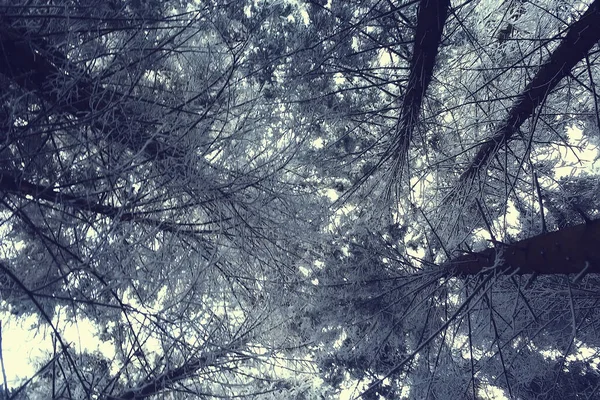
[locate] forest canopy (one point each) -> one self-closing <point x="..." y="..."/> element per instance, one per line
<point x="301" y="199"/>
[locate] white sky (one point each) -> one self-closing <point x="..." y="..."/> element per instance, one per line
<point x="24" y="345"/>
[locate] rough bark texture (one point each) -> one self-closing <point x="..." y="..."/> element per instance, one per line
<point x="580" y="38"/>
<point x="566" y="251"/>
<point x="430" y="25"/>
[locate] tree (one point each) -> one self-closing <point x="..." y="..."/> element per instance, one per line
<point x="434" y="323"/>
<point x="291" y="199"/>
<point x="140" y="196"/>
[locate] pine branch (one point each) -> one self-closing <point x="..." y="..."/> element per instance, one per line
<point x="23" y="188"/>
<point x="168" y="378"/>
<point x="35" y="66"/>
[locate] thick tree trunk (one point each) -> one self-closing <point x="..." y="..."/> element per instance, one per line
<point x="430" y="25"/>
<point x="566" y="251"/>
<point x="580" y="38"/>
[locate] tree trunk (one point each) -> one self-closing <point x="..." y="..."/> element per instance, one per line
<point x="580" y="38"/>
<point x="566" y="251"/>
<point x="428" y="35"/>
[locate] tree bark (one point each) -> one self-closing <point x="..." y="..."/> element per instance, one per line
<point x="567" y="251"/>
<point x="431" y="18"/>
